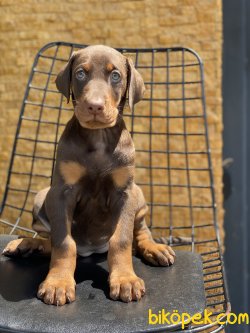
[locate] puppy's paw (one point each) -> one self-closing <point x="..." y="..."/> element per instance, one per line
<point x="23" y="247"/>
<point x="158" y="254"/>
<point x="57" y="291"/>
<point x="126" y="287"/>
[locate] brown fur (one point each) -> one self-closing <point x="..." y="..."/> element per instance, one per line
<point x="93" y="201"/>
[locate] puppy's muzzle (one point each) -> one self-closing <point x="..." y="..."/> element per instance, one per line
<point x="95" y="106"/>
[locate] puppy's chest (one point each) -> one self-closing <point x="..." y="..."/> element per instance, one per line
<point x="97" y="158"/>
<point x="98" y="163"/>
<point x="104" y="165"/>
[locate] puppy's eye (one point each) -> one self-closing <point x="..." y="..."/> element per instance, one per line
<point x="115" y="76"/>
<point x="81" y="75"/>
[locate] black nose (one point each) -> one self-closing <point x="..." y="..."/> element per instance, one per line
<point x="95" y="107"/>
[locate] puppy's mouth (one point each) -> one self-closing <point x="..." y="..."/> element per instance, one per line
<point x="94" y="124"/>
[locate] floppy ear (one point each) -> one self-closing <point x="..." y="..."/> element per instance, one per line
<point x="135" y="84"/>
<point x="63" y="79"/>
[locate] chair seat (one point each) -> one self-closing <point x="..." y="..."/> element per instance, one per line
<point x="179" y="287"/>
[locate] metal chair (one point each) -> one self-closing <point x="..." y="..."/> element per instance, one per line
<point x="174" y="170"/>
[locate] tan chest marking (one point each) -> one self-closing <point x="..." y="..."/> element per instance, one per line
<point x="122" y="175"/>
<point x="71" y="171"/>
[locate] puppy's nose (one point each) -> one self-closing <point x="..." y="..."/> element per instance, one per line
<point x="96" y="106"/>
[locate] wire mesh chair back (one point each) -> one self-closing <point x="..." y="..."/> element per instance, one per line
<point x="173" y="162"/>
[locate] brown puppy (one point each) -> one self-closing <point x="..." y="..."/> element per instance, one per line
<point x="93" y="204"/>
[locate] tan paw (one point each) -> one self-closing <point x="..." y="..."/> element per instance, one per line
<point x="126" y="287"/>
<point x="23" y="247"/>
<point x="57" y="291"/>
<point x="158" y="254"/>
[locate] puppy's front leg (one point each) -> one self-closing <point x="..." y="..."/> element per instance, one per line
<point x="124" y="283"/>
<point x="59" y="286"/>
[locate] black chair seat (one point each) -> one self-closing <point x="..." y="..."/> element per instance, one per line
<point x="179" y="287"/>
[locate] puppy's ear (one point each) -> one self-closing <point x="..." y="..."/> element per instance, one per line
<point x="135" y="85"/>
<point x="63" y="79"/>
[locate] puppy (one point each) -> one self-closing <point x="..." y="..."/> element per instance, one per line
<point x="93" y="204"/>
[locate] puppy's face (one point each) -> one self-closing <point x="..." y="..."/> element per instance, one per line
<point x="99" y="77"/>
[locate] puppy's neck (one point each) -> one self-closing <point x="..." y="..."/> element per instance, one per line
<point x="98" y="138"/>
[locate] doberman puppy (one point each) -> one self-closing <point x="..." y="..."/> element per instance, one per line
<point x="93" y="204"/>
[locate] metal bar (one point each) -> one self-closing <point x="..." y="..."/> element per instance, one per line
<point x="214" y="295"/>
<point x="27" y="174"/>
<point x="215" y="265"/>
<point x="171" y="168"/>
<point x="211" y="260"/>
<point x="18" y="227"/>
<point x="57" y="58"/>
<point x="162" y="117"/>
<point x="173" y="185"/>
<point x="214" y="287"/>
<point x="212" y="273"/>
<point x="182" y="227"/>
<point x="33" y="157"/>
<point x="21" y="190"/>
<point x="214" y="280"/>
<point x="43" y="105"/>
<point x="43" y="89"/>
<point x="173" y="99"/>
<point x="170" y="134"/>
<point x="208" y="253"/>
<point x="170" y="66"/>
<point x="18" y="208"/>
<point x="212" y="304"/>
<point x="161" y="204"/>
<point x="168" y="83"/>
<point x="170" y="214"/>
<point x="186" y="151"/>
<point x="44" y="72"/>
<point x="150" y="139"/>
<point x="34" y="140"/>
<point x="173" y="152"/>
<point x="47" y="122"/>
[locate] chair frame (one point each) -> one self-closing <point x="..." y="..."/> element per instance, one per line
<point x="213" y="259"/>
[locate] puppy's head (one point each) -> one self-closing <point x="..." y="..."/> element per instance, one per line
<point x="98" y="78"/>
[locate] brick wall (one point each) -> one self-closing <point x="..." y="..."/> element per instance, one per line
<point x="26" y="25"/>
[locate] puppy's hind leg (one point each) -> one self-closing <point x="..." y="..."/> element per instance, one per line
<point x="24" y="247"/>
<point x="156" y="254"/>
